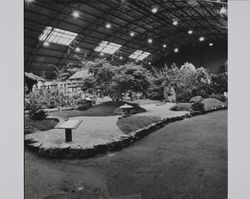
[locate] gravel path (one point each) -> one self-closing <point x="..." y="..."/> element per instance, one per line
<point x="92" y="131"/>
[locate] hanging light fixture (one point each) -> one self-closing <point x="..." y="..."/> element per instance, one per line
<point x="202" y="39"/>
<point x="154" y="10"/>
<point x="164" y="45"/>
<point x="121" y="57"/>
<point x="46" y="44"/>
<point x="150" y="40"/>
<point x="175" y="22"/>
<point x="108" y="25"/>
<point x="190" y="32"/>
<point x="223" y="10"/>
<point x="102" y="54"/>
<point x="77" y="49"/>
<point x="132" y="34"/>
<point x="211" y="44"/>
<point x="76" y="13"/>
<point x="176" y="50"/>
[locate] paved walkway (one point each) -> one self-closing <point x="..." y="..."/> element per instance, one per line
<point x="96" y="130"/>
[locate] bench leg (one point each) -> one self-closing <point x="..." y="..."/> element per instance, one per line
<point x="68" y="135"/>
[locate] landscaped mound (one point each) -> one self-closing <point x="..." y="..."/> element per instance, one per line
<point x="42" y="125"/>
<point x="134" y="123"/>
<point x="210" y="103"/>
<point x="199" y="106"/>
<point x="104" y="109"/>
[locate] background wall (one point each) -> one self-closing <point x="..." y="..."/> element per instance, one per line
<point x="212" y="58"/>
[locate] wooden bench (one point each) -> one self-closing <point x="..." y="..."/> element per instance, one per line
<point x="68" y="126"/>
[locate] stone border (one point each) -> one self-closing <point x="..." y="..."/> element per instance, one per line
<point x="76" y="151"/>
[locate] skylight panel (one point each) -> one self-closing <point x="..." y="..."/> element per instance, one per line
<point x="139" y="55"/>
<point x="107" y="47"/>
<point x="135" y="54"/>
<point x="58" y="36"/>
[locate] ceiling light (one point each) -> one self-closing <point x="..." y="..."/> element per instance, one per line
<point x="164" y="46"/>
<point x="121" y="58"/>
<point x="190" y="32"/>
<point x="77" y="49"/>
<point x="176" y="50"/>
<point x="149" y="63"/>
<point x="108" y="25"/>
<point x="46" y="44"/>
<point x="102" y="54"/>
<point x="223" y="10"/>
<point x="76" y="14"/>
<point x="202" y="38"/>
<point x="132" y="34"/>
<point x="211" y="44"/>
<point x="154" y="10"/>
<point x="150" y="40"/>
<point x="175" y="22"/>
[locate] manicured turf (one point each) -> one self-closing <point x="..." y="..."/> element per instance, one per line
<point x="134" y="123"/>
<point x="42" y="125"/>
<point x="104" y="109"/>
<point x="185" y="159"/>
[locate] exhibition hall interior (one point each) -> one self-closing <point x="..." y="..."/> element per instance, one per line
<point x="125" y="99"/>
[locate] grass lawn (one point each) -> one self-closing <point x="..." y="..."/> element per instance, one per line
<point x="103" y="109"/>
<point x="42" y="125"/>
<point x="134" y="123"/>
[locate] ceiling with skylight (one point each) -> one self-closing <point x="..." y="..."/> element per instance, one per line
<point x="107" y="47"/>
<point x="58" y="36"/>
<point x="139" y="55"/>
<point x="120" y="31"/>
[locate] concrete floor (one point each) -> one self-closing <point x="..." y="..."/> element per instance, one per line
<point x="184" y="160"/>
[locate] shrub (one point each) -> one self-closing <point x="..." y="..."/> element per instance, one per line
<point x="198" y="106"/>
<point x="38" y="114"/>
<point x="220" y="83"/>
<point x="186" y="81"/>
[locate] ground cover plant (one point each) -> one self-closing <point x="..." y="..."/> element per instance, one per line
<point x="133" y="123"/>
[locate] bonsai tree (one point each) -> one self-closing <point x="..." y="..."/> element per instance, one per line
<point x="114" y="81"/>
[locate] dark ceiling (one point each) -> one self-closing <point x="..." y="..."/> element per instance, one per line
<point x="201" y="16"/>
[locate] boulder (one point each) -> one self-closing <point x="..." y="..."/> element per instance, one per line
<point x="196" y="99"/>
